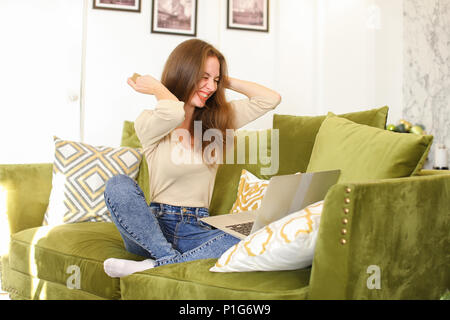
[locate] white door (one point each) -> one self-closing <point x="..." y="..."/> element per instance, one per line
<point x="40" y="77"/>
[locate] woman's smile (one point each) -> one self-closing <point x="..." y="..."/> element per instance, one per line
<point x="203" y="96"/>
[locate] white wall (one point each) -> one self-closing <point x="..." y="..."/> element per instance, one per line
<point x="360" y="63"/>
<point x="119" y="44"/>
<point x="389" y="48"/>
<point x="319" y="54"/>
<point x="40" y="75"/>
<point x="296" y="55"/>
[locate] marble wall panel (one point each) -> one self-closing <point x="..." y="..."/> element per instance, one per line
<point x="426" y="75"/>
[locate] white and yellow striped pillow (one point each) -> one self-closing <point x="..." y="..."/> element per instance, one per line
<point x="286" y="244"/>
<point x="251" y="190"/>
<point x="80" y="172"/>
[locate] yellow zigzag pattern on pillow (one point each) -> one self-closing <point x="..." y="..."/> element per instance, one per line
<point x="250" y="192"/>
<point x="258" y="243"/>
<point x="80" y="172"/>
<point x="308" y="229"/>
<point x="267" y="232"/>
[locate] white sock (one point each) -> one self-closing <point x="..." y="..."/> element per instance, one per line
<point x="116" y="268"/>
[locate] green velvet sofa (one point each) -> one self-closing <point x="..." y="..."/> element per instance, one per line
<point x="396" y="230"/>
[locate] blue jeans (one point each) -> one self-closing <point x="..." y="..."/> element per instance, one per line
<point x="166" y="233"/>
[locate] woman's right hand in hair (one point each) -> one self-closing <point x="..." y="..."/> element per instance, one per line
<point x="149" y="85"/>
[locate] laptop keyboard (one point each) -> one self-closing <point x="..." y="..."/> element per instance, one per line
<point x="242" y="228"/>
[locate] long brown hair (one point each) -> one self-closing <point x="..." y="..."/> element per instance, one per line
<point x="183" y="71"/>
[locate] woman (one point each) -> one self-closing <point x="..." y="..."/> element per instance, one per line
<point x="192" y="88"/>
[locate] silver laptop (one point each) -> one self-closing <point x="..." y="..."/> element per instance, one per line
<point x="284" y="195"/>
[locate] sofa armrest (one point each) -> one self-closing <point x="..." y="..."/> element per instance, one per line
<point x="26" y="191"/>
<point x="386" y="239"/>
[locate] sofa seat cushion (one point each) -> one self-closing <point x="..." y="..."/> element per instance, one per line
<point x="193" y="280"/>
<point x="22" y="286"/>
<point x="56" y="254"/>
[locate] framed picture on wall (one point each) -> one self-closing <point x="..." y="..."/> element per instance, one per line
<point x="248" y="15"/>
<point x="177" y="17"/>
<point x="121" y="5"/>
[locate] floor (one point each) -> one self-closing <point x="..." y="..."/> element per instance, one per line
<point x="3" y="295"/>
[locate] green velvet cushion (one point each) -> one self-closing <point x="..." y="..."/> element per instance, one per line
<point x="399" y="225"/>
<point x="193" y="280"/>
<point x="46" y="253"/>
<point x="298" y="133"/>
<point x="130" y="139"/>
<point x="27" y="188"/>
<point x="366" y="153"/>
<point x="228" y="175"/>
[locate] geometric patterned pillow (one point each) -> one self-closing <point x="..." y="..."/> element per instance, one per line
<point x="251" y="190"/>
<point x="285" y="244"/>
<point x="80" y="172"/>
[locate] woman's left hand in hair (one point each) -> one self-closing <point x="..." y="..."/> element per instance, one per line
<point x="252" y="89"/>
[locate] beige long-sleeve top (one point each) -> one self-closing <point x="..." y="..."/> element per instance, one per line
<point x="184" y="184"/>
